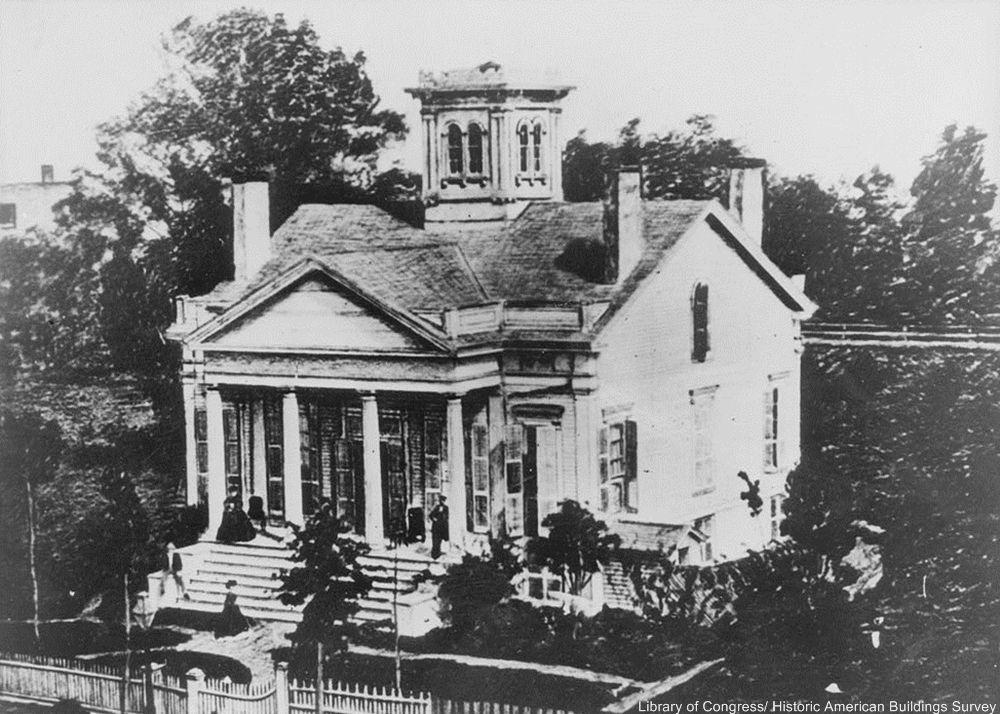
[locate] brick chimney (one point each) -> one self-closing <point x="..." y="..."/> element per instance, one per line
<point x="48" y="174"/>
<point x="623" y="228"/>
<point x="746" y="195"/>
<point x="251" y="228"/>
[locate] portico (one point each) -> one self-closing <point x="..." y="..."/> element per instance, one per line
<point x="379" y="457"/>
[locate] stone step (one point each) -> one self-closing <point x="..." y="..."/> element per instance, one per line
<point x="252" y="611"/>
<point x="218" y="571"/>
<point x="253" y="560"/>
<point x="242" y="590"/>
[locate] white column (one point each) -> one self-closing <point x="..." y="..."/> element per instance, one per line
<point x="216" y="460"/>
<point x="428" y="157"/>
<point x="259" y="465"/>
<point x="292" y="453"/>
<point x="586" y="451"/>
<point x="556" y="156"/>
<point x="456" y="472"/>
<point x="191" y="445"/>
<point x="374" y="528"/>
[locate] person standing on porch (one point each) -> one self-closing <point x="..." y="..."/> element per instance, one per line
<point x="439" y="526"/>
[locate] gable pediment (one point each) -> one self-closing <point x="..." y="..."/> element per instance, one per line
<point x="316" y="312"/>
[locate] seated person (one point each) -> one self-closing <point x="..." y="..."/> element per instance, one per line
<point x="236" y="526"/>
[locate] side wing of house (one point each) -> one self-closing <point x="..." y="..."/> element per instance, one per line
<point x="699" y="381"/>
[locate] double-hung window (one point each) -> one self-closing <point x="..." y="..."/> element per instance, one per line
<point x="274" y="456"/>
<point x="704" y="530"/>
<point x="703" y="439"/>
<point x="775" y="425"/>
<point x="618" y="451"/>
<point x="477" y="486"/>
<point x="776" y="516"/>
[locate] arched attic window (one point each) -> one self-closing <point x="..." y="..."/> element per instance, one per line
<point x="475" y="149"/>
<point x="456" y="152"/>
<point x="699" y="321"/>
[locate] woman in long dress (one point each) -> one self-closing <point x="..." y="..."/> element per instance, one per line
<point x="232" y="621"/>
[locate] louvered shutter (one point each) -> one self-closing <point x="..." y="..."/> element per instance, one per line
<point x="631" y="467"/>
<point x="602" y="456"/>
<point x="514" y="475"/>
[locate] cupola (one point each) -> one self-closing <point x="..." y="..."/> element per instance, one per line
<point x="490" y="142"/>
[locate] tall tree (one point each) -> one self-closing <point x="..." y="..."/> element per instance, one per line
<point x="30" y="448"/>
<point x="246" y="95"/>
<point x="576" y="546"/>
<point x="951" y="246"/>
<point x="328" y="579"/>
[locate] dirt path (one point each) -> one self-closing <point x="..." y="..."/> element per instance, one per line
<point x="252" y="648"/>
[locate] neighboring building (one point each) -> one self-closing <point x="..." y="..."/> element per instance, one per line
<point x="515" y="352"/>
<point x="29" y="205"/>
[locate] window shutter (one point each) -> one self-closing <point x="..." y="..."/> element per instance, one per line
<point x="631" y="466"/>
<point x="602" y="459"/>
<point x="469" y="465"/>
<point x="513" y="439"/>
<point x="768" y="438"/>
<point x="477" y="479"/>
<point x="699" y="317"/>
<point x="779" y="435"/>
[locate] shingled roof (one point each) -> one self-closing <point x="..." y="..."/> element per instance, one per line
<point x="528" y="260"/>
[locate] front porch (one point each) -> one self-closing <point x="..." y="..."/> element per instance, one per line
<point x="383" y="460"/>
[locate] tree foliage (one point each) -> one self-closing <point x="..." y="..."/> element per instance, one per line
<point x="245" y="95"/>
<point x="951" y="246"/>
<point x="30" y="448"/>
<point x="476" y="585"/>
<point x="329" y="580"/>
<point x="689" y="164"/>
<point x="576" y="546"/>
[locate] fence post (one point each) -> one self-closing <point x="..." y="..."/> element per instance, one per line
<point x="281" y="693"/>
<point x="195" y="681"/>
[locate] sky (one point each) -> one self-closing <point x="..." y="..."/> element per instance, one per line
<point x="822" y="87"/>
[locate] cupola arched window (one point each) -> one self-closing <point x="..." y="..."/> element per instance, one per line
<point x="456" y="157"/>
<point x="475" y="149"/>
<point x="699" y="320"/>
<point x="536" y="147"/>
<point x="524" y="147"/>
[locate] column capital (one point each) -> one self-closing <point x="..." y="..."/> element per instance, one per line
<point x="455" y="397"/>
<point x="367" y="396"/>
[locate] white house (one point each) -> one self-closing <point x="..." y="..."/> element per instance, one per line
<point x="516" y="351"/>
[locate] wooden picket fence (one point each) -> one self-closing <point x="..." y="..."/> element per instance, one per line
<point x="98" y="688"/>
<point x="339" y="698"/>
<point x="221" y="697"/>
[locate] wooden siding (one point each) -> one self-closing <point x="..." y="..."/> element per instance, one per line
<point x="646" y="371"/>
<point x="315" y="315"/>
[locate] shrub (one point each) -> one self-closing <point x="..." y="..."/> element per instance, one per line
<point x="477" y="584"/>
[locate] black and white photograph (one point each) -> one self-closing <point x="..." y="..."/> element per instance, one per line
<point x="461" y="357"/>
